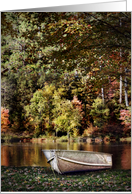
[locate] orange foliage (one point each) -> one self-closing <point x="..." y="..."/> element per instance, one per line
<point x="77" y="104"/>
<point x="4" y="119"/>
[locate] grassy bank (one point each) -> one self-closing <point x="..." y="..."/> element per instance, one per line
<point x="44" y="179"/>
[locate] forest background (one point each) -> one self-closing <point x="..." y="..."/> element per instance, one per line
<point x="66" y="73"/>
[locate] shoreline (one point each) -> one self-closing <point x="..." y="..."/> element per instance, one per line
<point x="61" y="139"/>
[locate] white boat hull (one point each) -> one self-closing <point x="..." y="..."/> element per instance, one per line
<point x="64" y="161"/>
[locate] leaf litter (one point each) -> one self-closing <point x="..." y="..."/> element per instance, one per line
<point x="43" y="179"/>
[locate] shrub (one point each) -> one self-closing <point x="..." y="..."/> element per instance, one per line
<point x="125" y="117"/>
<point x="4" y="119"/>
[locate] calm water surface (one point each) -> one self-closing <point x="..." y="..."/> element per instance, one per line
<point x="30" y="154"/>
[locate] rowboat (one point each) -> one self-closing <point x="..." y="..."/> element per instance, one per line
<point x="65" y="161"/>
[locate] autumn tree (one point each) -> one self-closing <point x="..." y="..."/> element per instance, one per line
<point x="100" y="113"/>
<point x="125" y="117"/>
<point x="4" y="119"/>
<point x="39" y="111"/>
<point x="83" y="52"/>
<point x="66" y="117"/>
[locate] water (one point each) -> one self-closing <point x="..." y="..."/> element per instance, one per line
<point x="30" y="154"/>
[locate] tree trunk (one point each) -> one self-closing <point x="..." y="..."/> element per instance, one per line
<point x="102" y="89"/>
<point x="126" y="95"/>
<point x="120" y="100"/>
<point x="68" y="135"/>
<point x="102" y="93"/>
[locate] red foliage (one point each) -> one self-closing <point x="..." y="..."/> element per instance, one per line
<point x="115" y="56"/>
<point x="125" y="116"/>
<point x="114" y="86"/>
<point x="4" y="119"/>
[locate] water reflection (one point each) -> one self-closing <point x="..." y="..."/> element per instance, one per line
<point x="29" y="154"/>
<point x="126" y="158"/>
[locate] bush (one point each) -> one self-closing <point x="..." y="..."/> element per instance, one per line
<point x="125" y="117"/>
<point x="4" y="119"/>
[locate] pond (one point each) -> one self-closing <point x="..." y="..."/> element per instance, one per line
<point x="30" y="154"/>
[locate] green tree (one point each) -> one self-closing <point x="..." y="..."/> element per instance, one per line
<point x="24" y="60"/>
<point x="100" y="113"/>
<point x="67" y="118"/>
<point x="39" y="111"/>
<point x="41" y="47"/>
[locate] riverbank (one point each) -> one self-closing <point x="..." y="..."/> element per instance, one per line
<point x="17" y="138"/>
<point x="44" y="179"/>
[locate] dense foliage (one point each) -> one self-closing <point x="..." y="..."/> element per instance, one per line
<point x="126" y="118"/>
<point x="4" y="119"/>
<point x="49" y="60"/>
